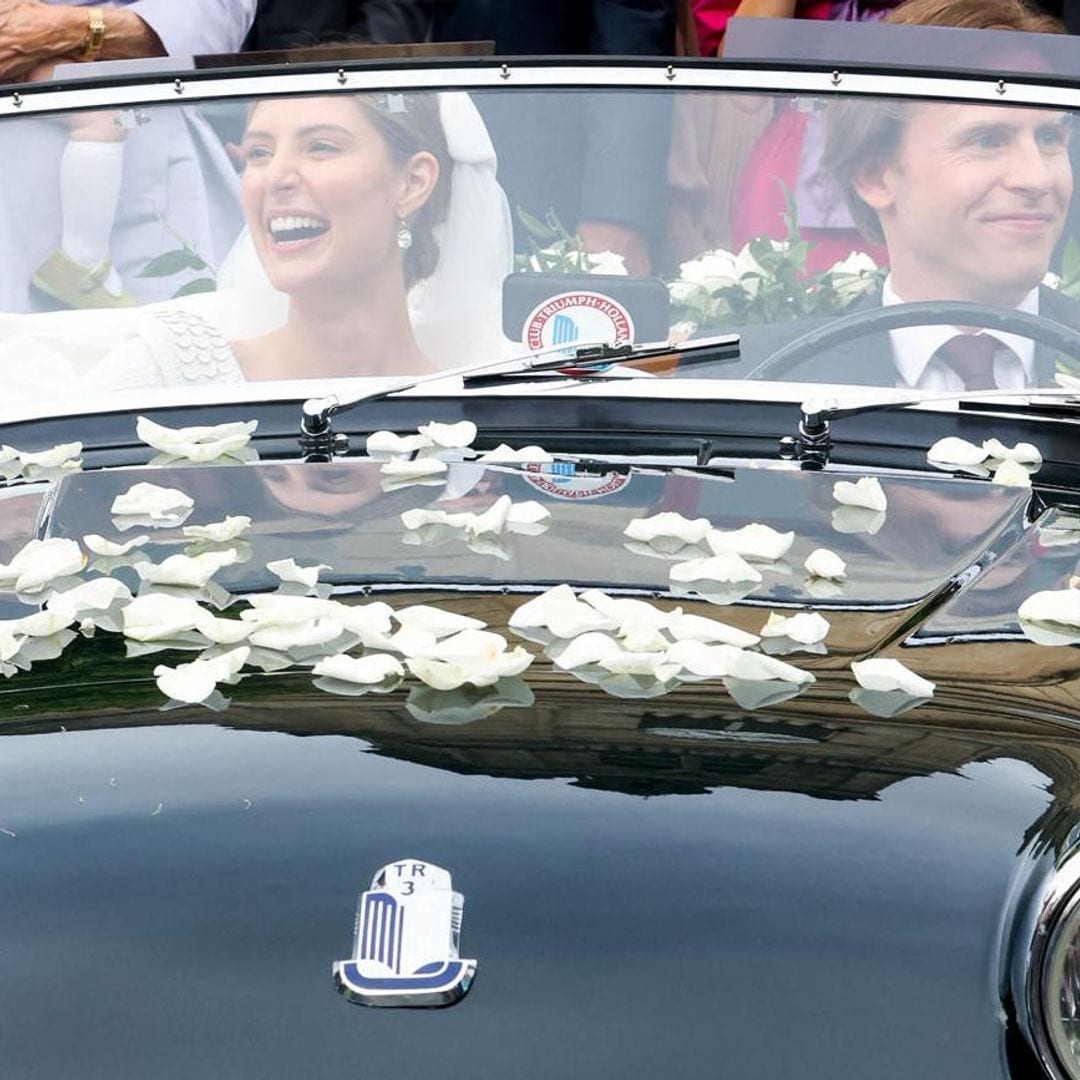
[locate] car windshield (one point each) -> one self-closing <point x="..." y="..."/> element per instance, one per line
<point x="234" y="238"/>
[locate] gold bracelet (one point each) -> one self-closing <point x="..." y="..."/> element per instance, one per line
<point x="95" y="34"/>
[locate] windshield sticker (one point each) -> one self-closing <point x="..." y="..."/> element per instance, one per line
<point x="573" y="318"/>
<point x="562" y="480"/>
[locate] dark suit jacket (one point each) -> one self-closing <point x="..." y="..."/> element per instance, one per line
<point x="283" y="24"/>
<point x="868" y="360"/>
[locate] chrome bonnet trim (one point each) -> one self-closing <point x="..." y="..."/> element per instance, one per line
<point x="189" y="86"/>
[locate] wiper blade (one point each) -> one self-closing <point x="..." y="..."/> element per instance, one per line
<point x="583" y="362"/>
<point x="814" y="436"/>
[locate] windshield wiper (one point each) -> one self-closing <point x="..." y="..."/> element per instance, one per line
<point x="813" y="439"/>
<point x="585" y="362"/>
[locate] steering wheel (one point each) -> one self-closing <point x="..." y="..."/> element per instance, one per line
<point x="934" y="313"/>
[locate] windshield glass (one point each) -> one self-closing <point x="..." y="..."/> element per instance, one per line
<point x="353" y="234"/>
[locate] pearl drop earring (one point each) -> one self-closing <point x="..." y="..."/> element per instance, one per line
<point x="404" y="236"/>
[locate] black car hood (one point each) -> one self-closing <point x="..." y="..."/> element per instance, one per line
<point x="673" y="884"/>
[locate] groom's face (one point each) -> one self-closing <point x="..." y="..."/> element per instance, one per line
<point x="972" y="201"/>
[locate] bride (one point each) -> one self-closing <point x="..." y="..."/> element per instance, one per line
<point x="357" y="207"/>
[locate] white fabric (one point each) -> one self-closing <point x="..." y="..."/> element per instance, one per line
<point x="90" y="178"/>
<point x="914" y="348"/>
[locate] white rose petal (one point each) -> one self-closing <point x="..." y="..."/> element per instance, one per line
<point x="1024" y="453"/>
<point x="41" y="561"/>
<point x="150" y="500"/>
<point x="198" y="444"/>
<point x="754" y="541"/>
<point x="56" y="457"/>
<point x="409" y="641"/>
<point x="363" y="670"/>
<point x="668" y="525"/>
<point x="955" y="451"/>
<point x="723" y="568"/>
<point x="440" y="675"/>
<point x="39" y="624"/>
<point x="191" y="571"/>
<point x="493" y="520"/>
<point x="704" y="660"/>
<point x="589" y="648"/>
<point x="713" y="270"/>
<point x="823" y="563"/>
<point x="888" y="674"/>
<point x="1060" y="606"/>
<point x="288" y="570"/>
<point x="412" y="469"/>
<point x="388" y="443"/>
<point x="297" y="635"/>
<point x="155" y="617"/>
<point x="757" y="667"/>
<point x="606" y="262"/>
<point x="857" y="262"/>
<point x="857" y="519"/>
<point x="507" y="455"/>
<point x="807" y="627"/>
<point x="866" y="492"/>
<point x="97" y="595"/>
<point x="221" y="631"/>
<point x="559" y="611"/>
<point x="418" y="518"/>
<point x="218" y="532"/>
<point x="469" y="646"/>
<point x="282" y="610"/>
<point x="686" y="627"/>
<point x="450" y="436"/>
<point x="654" y="664"/>
<point x="1012" y="474"/>
<point x="529" y="512"/>
<point x="194" y="682"/>
<point x="100" y="546"/>
<point x="436" y="621"/>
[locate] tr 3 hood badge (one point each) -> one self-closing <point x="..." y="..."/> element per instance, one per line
<point x="406" y="951"/>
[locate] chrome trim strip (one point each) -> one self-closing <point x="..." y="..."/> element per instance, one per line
<point x="189" y="87"/>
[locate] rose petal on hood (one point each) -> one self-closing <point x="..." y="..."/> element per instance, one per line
<point x="507" y="455"/>
<point x="724" y="568"/>
<point x="151" y="500"/>
<point x="702" y="659"/>
<point x="97" y="595"/>
<point x="198" y="444"/>
<point x="418" y="518"/>
<point x="538" y="610"/>
<point x="436" y="621"/>
<point x="889" y="674"/>
<point x="362" y="670"/>
<point x="194" y="682"/>
<point x="155" y="617"/>
<point x="412" y="468"/>
<point x="450" y="436"/>
<point x="823" y="563"/>
<point x="1012" y="474"/>
<point x="528" y="512"/>
<point x="388" y="443"/>
<point x="757" y="667"/>
<point x="668" y="525"/>
<point x="955" y="451"/>
<point x="493" y="520"/>
<point x="687" y="627"/>
<point x="857" y="519"/>
<point x="56" y="457"/>
<point x="217" y="532"/>
<point x="297" y="635"/>
<point x="866" y="492"/>
<point x="100" y="546"/>
<point x="1024" y="453"/>
<point x="468" y="647"/>
<point x="191" y="571"/>
<point x="38" y="562"/>
<point x="806" y="627"/>
<point x="288" y="570"/>
<point x="589" y="648"/>
<point x="1060" y="606"/>
<point x="754" y="541"/>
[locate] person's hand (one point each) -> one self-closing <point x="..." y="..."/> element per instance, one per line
<point x="33" y="35"/>
<point x="624" y="240"/>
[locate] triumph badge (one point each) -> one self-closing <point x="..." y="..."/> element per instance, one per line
<point x="407" y="929"/>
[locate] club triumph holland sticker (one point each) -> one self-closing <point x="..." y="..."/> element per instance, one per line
<point x="561" y="480"/>
<point x="577" y="317"/>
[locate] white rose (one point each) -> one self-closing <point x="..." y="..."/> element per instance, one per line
<point x="606" y="262"/>
<point x="858" y="262"/>
<point x="1051" y="280"/>
<point x="750" y="271"/>
<point x="713" y="270"/>
<point x="854" y="276"/>
<point x="682" y="291"/>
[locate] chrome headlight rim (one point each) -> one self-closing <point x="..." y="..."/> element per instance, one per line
<point x="1057" y="918"/>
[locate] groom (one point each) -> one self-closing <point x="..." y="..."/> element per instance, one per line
<point x="970" y="201"/>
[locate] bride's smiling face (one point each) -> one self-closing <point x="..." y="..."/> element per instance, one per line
<point x="321" y="195"/>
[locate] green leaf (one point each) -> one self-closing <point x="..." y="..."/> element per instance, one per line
<point x="535" y="226"/>
<point x="172" y="262"/>
<point x="198" y="285"/>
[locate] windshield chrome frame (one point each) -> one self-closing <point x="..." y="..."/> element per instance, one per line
<point x="190" y="86"/>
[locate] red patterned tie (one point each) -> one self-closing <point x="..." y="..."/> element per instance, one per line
<point x="971" y="356"/>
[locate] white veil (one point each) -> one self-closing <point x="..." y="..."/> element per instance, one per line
<point x="456" y="312"/>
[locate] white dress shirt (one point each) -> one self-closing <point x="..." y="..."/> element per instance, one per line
<point x="914" y="348"/>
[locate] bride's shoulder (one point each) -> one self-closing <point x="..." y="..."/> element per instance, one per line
<point x="170" y="347"/>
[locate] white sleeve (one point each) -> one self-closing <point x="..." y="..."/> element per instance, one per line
<point x="196" y="27"/>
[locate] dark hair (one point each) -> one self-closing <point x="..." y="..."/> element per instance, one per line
<point x="409" y="124"/>
<point x="862" y="133"/>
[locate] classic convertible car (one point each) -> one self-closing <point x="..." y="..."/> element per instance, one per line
<point x="588" y="663"/>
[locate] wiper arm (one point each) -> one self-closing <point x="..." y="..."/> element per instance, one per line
<point x="814" y="436"/>
<point x="318" y="438"/>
